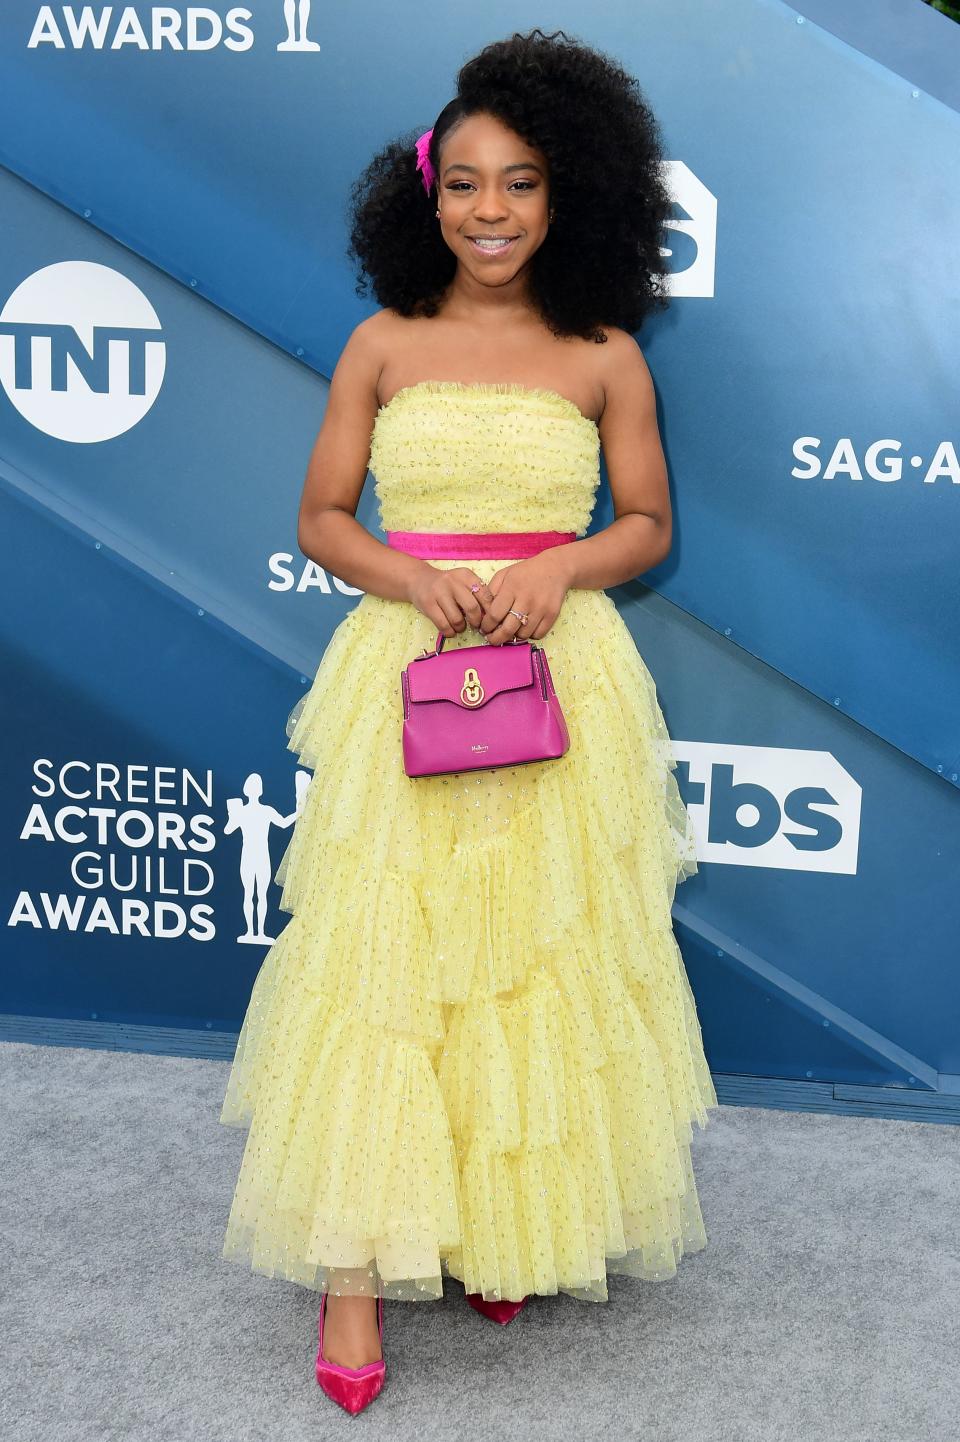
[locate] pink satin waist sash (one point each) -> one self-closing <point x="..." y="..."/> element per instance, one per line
<point x="477" y="545"/>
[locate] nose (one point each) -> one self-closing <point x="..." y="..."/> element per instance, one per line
<point x="489" y="205"/>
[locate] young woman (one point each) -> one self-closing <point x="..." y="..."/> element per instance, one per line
<point x="473" y="1052"/>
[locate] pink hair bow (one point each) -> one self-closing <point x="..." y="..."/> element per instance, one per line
<point x="423" y="160"/>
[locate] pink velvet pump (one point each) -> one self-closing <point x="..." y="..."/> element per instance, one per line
<point x="351" y="1387"/>
<point x="502" y="1312"/>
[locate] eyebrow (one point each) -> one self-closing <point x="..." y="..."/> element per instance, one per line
<point x="525" y="165"/>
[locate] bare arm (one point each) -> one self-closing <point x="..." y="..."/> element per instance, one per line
<point x="327" y="530"/>
<point x="640" y="536"/>
<point x="635" y="540"/>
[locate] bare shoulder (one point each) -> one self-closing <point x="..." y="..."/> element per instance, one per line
<point x="620" y="346"/>
<point x="354" y="384"/>
<point x="379" y="329"/>
<point x="380" y="338"/>
<point x="361" y="361"/>
<point x="371" y="334"/>
<point x="624" y="373"/>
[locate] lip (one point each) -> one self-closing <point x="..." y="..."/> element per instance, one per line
<point x="489" y="254"/>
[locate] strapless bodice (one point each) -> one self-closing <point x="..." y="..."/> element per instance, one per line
<point x="484" y="456"/>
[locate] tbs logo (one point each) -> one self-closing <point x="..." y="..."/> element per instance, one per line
<point x="767" y="806"/>
<point x="691" y="238"/>
<point x="82" y="351"/>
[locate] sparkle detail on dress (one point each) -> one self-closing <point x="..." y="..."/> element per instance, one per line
<point x="451" y="456"/>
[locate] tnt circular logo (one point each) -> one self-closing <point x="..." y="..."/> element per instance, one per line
<point x="82" y="351"/>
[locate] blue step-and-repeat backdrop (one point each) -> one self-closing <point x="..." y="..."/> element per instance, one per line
<point x="174" y="294"/>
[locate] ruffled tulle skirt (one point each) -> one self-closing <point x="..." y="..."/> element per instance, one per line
<point x="473" y="1050"/>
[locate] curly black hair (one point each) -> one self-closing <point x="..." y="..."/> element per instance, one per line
<point x="600" y="262"/>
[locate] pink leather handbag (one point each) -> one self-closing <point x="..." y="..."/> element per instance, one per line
<point x="479" y="706"/>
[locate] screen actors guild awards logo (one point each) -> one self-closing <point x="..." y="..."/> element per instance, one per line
<point x="296" y="13"/>
<point x="253" y="819"/>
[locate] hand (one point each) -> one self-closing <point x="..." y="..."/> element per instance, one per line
<point x="536" y="586"/>
<point x="445" y="597"/>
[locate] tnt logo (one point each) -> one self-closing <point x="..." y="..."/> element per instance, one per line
<point x="766" y="806"/>
<point x="82" y="351"/>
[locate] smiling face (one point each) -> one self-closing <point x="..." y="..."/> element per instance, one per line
<point x="493" y="194"/>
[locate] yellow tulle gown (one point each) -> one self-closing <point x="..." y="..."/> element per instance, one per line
<point x="473" y="1050"/>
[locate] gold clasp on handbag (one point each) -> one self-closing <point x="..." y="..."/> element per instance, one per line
<point x="471" y="692"/>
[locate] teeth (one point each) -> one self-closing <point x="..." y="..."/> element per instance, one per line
<point x="491" y="244"/>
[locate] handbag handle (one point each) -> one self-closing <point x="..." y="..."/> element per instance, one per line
<point x="441" y="638"/>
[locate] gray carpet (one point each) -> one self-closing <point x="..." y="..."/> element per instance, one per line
<point x="825" y="1307"/>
